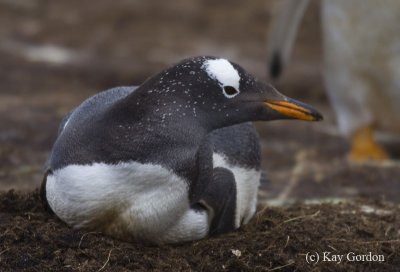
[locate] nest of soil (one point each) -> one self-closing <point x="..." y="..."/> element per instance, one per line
<point x="277" y="239"/>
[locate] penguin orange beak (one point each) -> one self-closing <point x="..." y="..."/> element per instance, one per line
<point x="294" y="109"/>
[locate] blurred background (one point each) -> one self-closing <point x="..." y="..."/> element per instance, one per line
<point x="55" y="54"/>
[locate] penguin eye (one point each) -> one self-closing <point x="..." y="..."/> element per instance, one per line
<point x="230" y="91"/>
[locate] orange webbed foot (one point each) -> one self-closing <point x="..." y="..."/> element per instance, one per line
<point x="364" y="147"/>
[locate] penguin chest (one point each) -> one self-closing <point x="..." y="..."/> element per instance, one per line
<point x="129" y="198"/>
<point x="247" y="181"/>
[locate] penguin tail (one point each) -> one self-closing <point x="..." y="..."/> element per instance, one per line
<point x="43" y="192"/>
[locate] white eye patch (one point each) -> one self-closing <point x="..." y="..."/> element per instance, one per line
<point x="224" y="72"/>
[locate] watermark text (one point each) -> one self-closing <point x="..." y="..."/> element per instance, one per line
<point x="328" y="256"/>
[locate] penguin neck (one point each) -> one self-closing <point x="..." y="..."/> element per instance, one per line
<point x="164" y="116"/>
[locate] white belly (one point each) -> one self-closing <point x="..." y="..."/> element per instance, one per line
<point x="128" y="201"/>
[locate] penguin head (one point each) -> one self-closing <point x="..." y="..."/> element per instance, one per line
<point x="220" y="93"/>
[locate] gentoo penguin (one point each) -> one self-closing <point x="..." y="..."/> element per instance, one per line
<point x="172" y="160"/>
<point x="361" y="45"/>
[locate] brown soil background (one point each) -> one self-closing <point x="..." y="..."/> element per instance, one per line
<point x="123" y="42"/>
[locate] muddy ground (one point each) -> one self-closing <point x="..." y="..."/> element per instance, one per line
<point x="276" y="239"/>
<point x="54" y="54"/>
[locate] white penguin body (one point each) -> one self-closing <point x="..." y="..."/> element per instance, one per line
<point x="362" y="62"/>
<point x="146" y="200"/>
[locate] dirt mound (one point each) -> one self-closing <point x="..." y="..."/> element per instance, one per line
<point x="276" y="239"/>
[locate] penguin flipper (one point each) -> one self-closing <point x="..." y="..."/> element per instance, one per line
<point x="43" y="197"/>
<point x="219" y="197"/>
